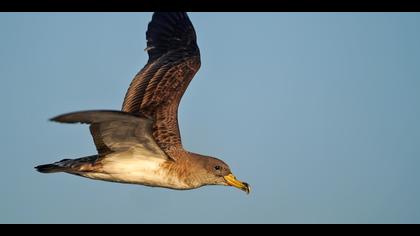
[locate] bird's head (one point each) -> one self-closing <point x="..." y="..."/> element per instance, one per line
<point x="217" y="172"/>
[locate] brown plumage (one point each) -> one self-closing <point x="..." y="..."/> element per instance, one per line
<point x="142" y="143"/>
<point x="156" y="91"/>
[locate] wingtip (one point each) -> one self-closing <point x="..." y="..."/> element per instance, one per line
<point x="61" y="118"/>
<point x="54" y="119"/>
<point x="170" y="31"/>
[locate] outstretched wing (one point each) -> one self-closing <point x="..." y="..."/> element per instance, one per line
<point x="157" y="89"/>
<point x="116" y="131"/>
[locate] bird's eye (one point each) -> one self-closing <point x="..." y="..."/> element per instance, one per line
<point x="217" y="167"/>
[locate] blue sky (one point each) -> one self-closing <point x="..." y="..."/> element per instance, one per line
<point x="319" y="112"/>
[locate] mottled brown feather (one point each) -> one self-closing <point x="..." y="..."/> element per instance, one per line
<point x="157" y="89"/>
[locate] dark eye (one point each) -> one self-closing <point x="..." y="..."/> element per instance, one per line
<point x="217" y="167"/>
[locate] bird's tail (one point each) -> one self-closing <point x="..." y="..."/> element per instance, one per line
<point x="49" y="168"/>
<point x="68" y="165"/>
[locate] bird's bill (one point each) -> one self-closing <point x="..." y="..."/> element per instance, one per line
<point x="232" y="181"/>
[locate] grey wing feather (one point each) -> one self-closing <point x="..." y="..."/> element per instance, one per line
<point x="102" y="148"/>
<point x="115" y="131"/>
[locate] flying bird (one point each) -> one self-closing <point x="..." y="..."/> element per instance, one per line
<point x="141" y="144"/>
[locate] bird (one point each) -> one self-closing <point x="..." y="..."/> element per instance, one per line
<point x="141" y="143"/>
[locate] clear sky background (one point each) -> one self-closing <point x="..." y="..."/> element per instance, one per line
<point x="319" y="112"/>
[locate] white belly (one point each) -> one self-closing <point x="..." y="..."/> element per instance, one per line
<point x="135" y="168"/>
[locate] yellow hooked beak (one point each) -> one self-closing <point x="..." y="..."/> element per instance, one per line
<point x="232" y="181"/>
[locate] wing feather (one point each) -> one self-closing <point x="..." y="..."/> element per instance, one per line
<point x="115" y="131"/>
<point x="156" y="91"/>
